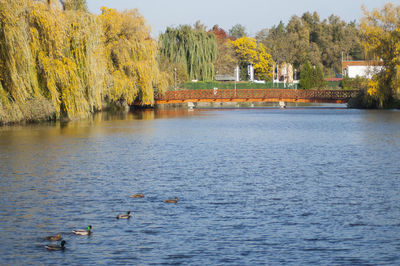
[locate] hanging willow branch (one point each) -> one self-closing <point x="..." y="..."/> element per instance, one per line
<point x="194" y="48"/>
<point x="64" y="63"/>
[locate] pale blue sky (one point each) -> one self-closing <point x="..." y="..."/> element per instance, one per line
<point x="253" y="14"/>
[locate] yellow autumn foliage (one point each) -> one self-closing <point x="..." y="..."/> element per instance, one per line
<point x="251" y="52"/>
<point x="373" y="87"/>
<point x="131" y="57"/>
<point x="381" y="35"/>
<point x="56" y="63"/>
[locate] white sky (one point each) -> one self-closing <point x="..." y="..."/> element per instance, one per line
<point x="253" y="14"/>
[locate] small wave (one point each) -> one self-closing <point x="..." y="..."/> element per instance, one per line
<point x="225" y="203"/>
<point x="227" y="260"/>
<point x="315" y="239"/>
<point x="238" y="226"/>
<point x="357" y="224"/>
<point x="179" y="256"/>
<point x="150" y="232"/>
<point x="290" y="223"/>
<point x="326" y="249"/>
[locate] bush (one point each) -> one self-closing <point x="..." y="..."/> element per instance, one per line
<point x="357" y="83"/>
<point x="363" y="101"/>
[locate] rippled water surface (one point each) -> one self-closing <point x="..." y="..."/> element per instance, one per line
<point x="255" y="186"/>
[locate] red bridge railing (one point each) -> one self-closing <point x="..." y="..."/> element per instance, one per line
<point x="225" y="95"/>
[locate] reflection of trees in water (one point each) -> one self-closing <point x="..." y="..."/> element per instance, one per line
<point x="380" y="127"/>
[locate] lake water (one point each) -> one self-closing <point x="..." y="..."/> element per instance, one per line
<point x="258" y="186"/>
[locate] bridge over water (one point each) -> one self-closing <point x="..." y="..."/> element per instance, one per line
<point x="256" y="95"/>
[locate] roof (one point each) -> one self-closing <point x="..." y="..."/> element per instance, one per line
<point x="346" y="64"/>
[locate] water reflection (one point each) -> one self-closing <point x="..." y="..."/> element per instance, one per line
<point x="380" y="127"/>
<point x="258" y="186"/>
<point x="146" y="114"/>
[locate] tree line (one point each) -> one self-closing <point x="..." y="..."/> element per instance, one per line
<point x="308" y="38"/>
<point x="315" y="48"/>
<point x="57" y="60"/>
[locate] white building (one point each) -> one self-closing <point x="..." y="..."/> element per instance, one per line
<point x="365" y="69"/>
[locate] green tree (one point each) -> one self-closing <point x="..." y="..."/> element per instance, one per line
<point x="306" y="76"/>
<point x="319" y="80"/>
<point x="311" y="77"/>
<point x="238" y="31"/>
<point x="298" y="47"/>
<point x="309" y="38"/>
<point x="275" y="40"/>
<point x="194" y="48"/>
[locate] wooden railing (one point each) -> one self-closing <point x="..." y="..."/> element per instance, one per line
<point x="262" y="95"/>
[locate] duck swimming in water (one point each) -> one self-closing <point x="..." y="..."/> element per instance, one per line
<point x="175" y="200"/>
<point x="56" y="247"/>
<point x="124" y="216"/>
<point x="83" y="232"/>
<point x="53" y="238"/>
<point x="137" y="196"/>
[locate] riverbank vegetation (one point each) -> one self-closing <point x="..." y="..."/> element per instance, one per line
<point x="57" y="60"/>
<point x="62" y="62"/>
<point x="381" y="38"/>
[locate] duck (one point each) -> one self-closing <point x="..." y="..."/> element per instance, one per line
<point x="83" y="232"/>
<point x="53" y="238"/>
<point x="137" y="196"/>
<point x="175" y="200"/>
<point x="124" y="216"/>
<point x="56" y="247"/>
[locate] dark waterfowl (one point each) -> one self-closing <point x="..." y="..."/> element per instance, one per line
<point x="83" y="232"/>
<point x="137" y="196"/>
<point x="175" y="200"/>
<point x="56" y="247"/>
<point x="124" y="216"/>
<point x="53" y="238"/>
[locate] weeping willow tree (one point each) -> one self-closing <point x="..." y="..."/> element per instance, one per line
<point x="75" y="5"/>
<point x="68" y="54"/>
<point x="131" y="57"/>
<point x="63" y="63"/>
<point x="49" y="55"/>
<point x="48" y="60"/>
<point x="193" y="48"/>
<point x="20" y="90"/>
